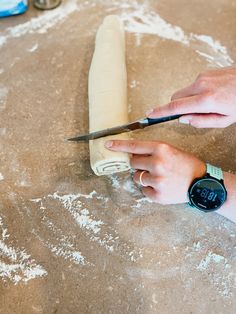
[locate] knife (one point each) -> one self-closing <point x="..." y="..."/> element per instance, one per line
<point x="139" y="124"/>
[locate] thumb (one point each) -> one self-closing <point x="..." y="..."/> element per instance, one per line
<point x="210" y="120"/>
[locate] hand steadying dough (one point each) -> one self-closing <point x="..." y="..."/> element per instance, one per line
<point x="165" y="181"/>
<point x="210" y="102"/>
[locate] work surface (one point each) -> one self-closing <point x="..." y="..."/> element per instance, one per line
<point x="71" y="242"/>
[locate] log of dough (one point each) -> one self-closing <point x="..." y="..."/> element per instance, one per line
<point x="108" y="95"/>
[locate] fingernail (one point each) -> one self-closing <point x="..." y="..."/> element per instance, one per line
<point x="108" y="144"/>
<point x="149" y="112"/>
<point x="185" y="120"/>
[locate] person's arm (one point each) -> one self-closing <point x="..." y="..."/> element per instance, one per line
<point x="210" y="102"/>
<point x="169" y="172"/>
<point x="228" y="210"/>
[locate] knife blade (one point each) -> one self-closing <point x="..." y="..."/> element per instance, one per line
<point x="136" y="125"/>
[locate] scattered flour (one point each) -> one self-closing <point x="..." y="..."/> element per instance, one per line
<point x="131" y="187"/>
<point x="133" y="84"/>
<point x="222" y="276"/>
<point x="140" y="202"/>
<point x="33" y="48"/>
<point x="214" y="267"/>
<point x="42" y="23"/>
<point x="23" y="179"/>
<point x="115" y="181"/>
<point x="144" y="21"/>
<point x="1" y="177"/>
<point x="210" y="258"/>
<point x="60" y="244"/>
<point x="81" y="215"/>
<point x="140" y="19"/>
<point x="15" y="264"/>
<point x="95" y="229"/>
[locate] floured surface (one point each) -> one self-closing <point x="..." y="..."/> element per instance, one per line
<point x="70" y="241"/>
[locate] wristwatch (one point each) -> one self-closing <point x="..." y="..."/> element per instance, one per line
<point x="208" y="193"/>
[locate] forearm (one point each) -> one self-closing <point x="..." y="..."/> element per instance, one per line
<point x="228" y="210"/>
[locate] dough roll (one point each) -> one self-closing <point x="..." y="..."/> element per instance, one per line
<point x="108" y="95"/>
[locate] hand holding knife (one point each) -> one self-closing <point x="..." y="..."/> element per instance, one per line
<point x="136" y="125"/>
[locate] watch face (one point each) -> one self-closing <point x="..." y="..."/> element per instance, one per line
<point x="207" y="194"/>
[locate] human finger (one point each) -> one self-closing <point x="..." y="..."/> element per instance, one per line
<point x="151" y="194"/>
<point x="210" y="120"/>
<point x="188" y="91"/>
<point x="141" y="163"/>
<point x="187" y="105"/>
<point x="145" y="179"/>
<point x="130" y="146"/>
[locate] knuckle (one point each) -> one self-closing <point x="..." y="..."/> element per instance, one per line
<point x="116" y="144"/>
<point x="156" y="168"/>
<point x="202" y="76"/>
<point x="209" y="96"/>
<point x="164" y="148"/>
<point x="208" y="101"/>
<point x="174" y="105"/>
<point x="202" y="83"/>
<point x="132" y="146"/>
<point x="174" y="96"/>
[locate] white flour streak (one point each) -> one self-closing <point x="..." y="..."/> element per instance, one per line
<point x="211" y="50"/>
<point x="210" y="258"/>
<point x="81" y="215"/>
<point x="133" y="84"/>
<point x="115" y="181"/>
<point x="214" y="267"/>
<point x="15" y="264"/>
<point x="42" y="23"/>
<point x="144" y="21"/>
<point x="60" y="245"/>
<point x="140" y="202"/>
<point x="131" y="187"/>
<point x="215" y="45"/>
<point x="138" y="38"/>
<point x="139" y="19"/>
<point x="32" y="49"/>
<point x="94" y="229"/>
<point x="1" y="177"/>
<point x="126" y="183"/>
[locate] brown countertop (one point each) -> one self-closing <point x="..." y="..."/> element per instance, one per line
<point x="71" y="242"/>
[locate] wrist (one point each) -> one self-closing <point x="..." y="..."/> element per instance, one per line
<point x="228" y="209"/>
<point x="208" y="192"/>
<point x="199" y="171"/>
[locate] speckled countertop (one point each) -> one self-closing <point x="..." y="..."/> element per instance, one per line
<point x="71" y="242"/>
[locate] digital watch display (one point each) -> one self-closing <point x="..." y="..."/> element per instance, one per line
<point x="208" y="193"/>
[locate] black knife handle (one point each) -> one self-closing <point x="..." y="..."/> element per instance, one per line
<point x="162" y="119"/>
